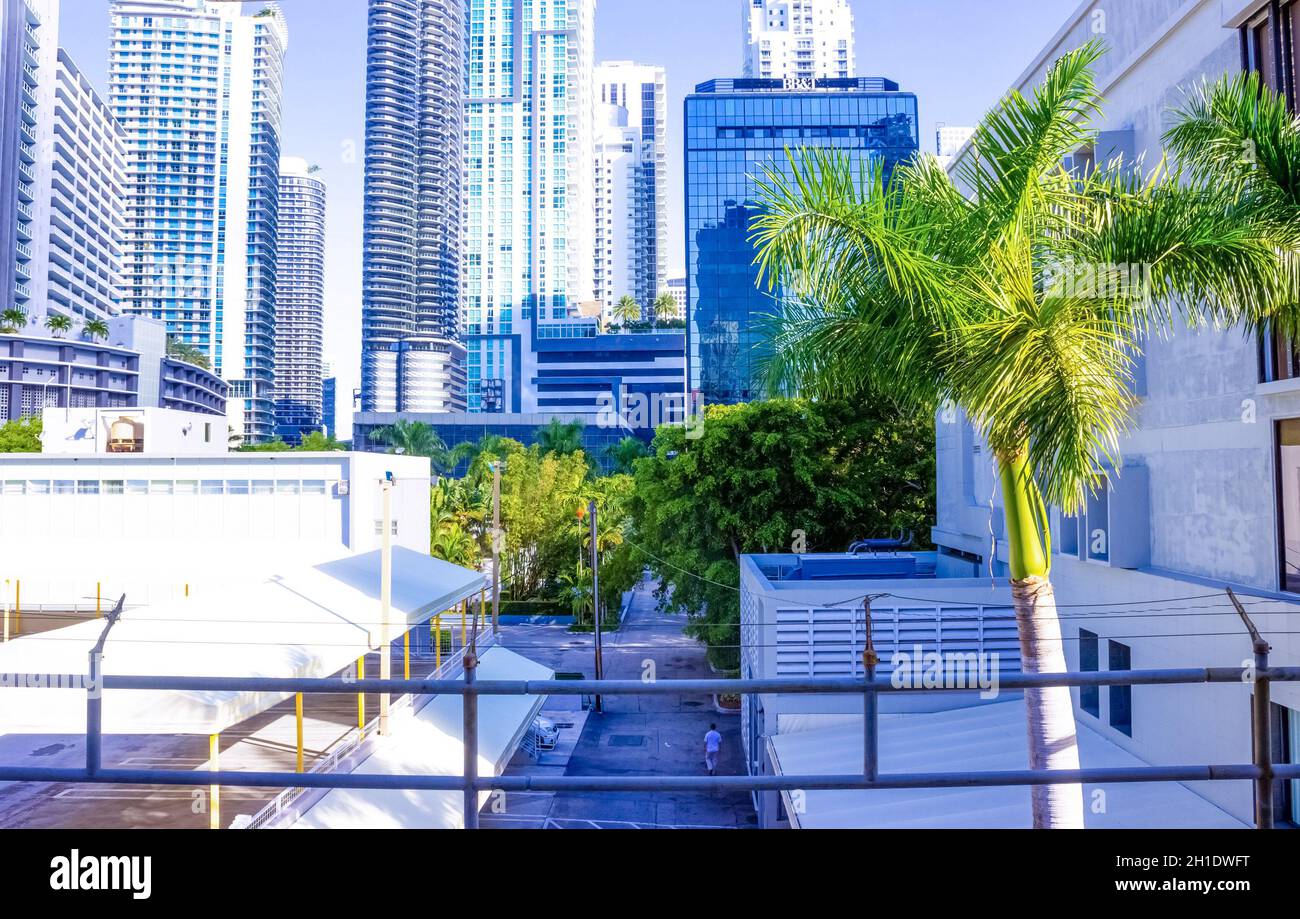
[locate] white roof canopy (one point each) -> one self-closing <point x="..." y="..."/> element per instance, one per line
<point x="981" y="738"/>
<point x="430" y="741"/>
<point x="309" y="620"/>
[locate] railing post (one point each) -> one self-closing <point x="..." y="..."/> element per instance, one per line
<point x="470" y="736"/>
<point x="870" y="703"/>
<point x="94" y="713"/>
<point x="1262" y="717"/>
<point x="1261" y="720"/>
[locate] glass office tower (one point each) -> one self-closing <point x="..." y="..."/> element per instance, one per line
<point x="733" y="129"/>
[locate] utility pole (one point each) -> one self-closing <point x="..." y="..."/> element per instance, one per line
<point x="385" y="598"/>
<point x="595" y="595"/>
<point x="496" y="548"/>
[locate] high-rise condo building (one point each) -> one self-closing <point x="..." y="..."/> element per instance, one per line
<point x="529" y="201"/>
<point x="413" y="357"/>
<point x="798" y="39"/>
<point x="631" y="222"/>
<point x="19" y="50"/>
<point x="197" y="88"/>
<point x="299" y="300"/>
<point x="62" y="188"/>
<point x="734" y="130"/>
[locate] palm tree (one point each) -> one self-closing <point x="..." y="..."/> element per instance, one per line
<point x="58" y="325"/>
<point x="627" y="310"/>
<point x="183" y="351"/>
<point x="95" y="328"/>
<point x="1239" y="132"/>
<point x="560" y="437"/>
<point x="908" y="287"/>
<point x="624" y="454"/>
<point x="665" y="307"/>
<point x="14" y="319"/>
<point x="415" y="438"/>
<point x="452" y="544"/>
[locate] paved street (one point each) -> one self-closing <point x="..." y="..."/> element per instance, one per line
<point x="642" y="735"/>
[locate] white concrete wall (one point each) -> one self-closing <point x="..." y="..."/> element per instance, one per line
<point x="166" y="432"/>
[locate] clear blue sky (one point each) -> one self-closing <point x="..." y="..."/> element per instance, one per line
<point x="958" y="56"/>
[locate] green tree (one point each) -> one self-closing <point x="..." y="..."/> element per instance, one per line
<point x="95" y="328"/>
<point x="913" y="288"/>
<point x="415" y="438"/>
<point x="768" y="477"/>
<point x="320" y="442"/>
<point x="58" y="325"/>
<point x="665" y="307"/>
<point x="13" y="319"/>
<point x="560" y="437"/>
<point x="540" y="497"/>
<point x="624" y="454"/>
<point x="183" y="351"/>
<point x="275" y="445"/>
<point x="22" y="435"/>
<point x="627" y="310"/>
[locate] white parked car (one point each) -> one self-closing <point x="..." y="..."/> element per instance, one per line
<point x="548" y="735"/>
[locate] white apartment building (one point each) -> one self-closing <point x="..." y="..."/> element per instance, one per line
<point x="69" y="180"/>
<point x="529" y="205"/>
<point x="1208" y="495"/>
<point x="948" y="140"/>
<point x="798" y="39"/>
<point x="631" y="221"/>
<point x="197" y="88"/>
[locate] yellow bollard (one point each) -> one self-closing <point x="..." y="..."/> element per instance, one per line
<point x="437" y="640"/>
<point x="464" y="630"/>
<point x="187" y="590"/>
<point x="361" y="698"/>
<point x="99" y="594"/>
<point x="406" y="655"/>
<point x="18" y="608"/>
<point x="297" y="704"/>
<point x="214" y="791"/>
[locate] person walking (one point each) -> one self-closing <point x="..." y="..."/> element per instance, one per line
<point x="712" y="745"/>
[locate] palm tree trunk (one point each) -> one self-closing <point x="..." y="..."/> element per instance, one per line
<point x="1049" y="712"/>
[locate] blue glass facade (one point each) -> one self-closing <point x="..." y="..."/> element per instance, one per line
<point x="734" y="128"/>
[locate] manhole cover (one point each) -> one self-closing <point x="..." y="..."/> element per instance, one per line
<point x="627" y="740"/>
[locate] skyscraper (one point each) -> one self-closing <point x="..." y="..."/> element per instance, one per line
<point x="413" y="358"/>
<point x="197" y="88"/>
<point x="299" y="300"/>
<point x="798" y="39"/>
<point x="631" y="223"/>
<point x="529" y="203"/>
<point x="19" y="47"/>
<point x="734" y="130"/>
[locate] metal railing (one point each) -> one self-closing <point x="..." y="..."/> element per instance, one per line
<point x="1262" y="771"/>
<point x="354" y="740"/>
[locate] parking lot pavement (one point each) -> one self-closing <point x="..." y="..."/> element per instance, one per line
<point x="634" y="735"/>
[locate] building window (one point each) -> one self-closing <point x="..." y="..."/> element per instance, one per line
<point x="1287" y="484"/>
<point x="1286" y="751"/>
<point x="1089" y="662"/>
<point x="379" y="528"/>
<point x="1121" y="697"/>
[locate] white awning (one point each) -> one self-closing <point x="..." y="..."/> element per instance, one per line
<point x="308" y="621"/>
<point x="430" y="741"/>
<point x="981" y="738"/>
